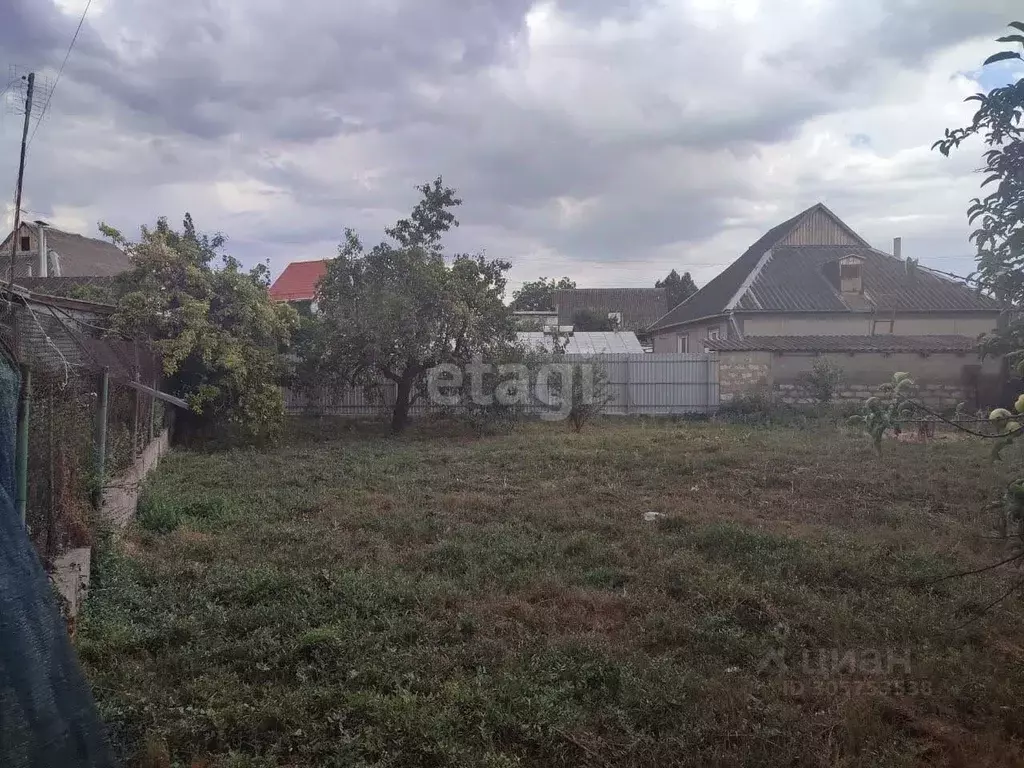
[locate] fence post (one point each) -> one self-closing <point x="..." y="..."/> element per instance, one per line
<point x="21" y="449"/>
<point x="152" y="419"/>
<point x="711" y="382"/>
<point x="100" y="436"/>
<point x="629" y="383"/>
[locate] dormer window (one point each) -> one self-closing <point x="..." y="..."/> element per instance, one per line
<point x="850" y="275"/>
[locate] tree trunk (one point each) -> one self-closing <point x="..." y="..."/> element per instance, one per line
<point x="400" y="415"/>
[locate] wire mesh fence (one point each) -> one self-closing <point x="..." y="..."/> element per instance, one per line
<point x="88" y="398"/>
<point x="60" y="463"/>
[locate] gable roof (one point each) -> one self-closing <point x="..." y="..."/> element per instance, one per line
<point x="782" y="272"/>
<point x="298" y="281"/>
<point x="82" y="256"/>
<point x="794" y="279"/>
<point x="639" y="306"/>
<point x="79" y="256"/>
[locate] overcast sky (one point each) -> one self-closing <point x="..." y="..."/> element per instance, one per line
<point x="609" y="141"/>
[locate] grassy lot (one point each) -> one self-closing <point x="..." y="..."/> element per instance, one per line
<point x="347" y="599"/>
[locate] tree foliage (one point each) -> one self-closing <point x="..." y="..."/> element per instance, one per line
<point x="400" y="308"/>
<point x="538" y="295"/>
<point x="679" y="288"/>
<point x="219" y="334"/>
<point x="998" y="217"/>
<point x="591" y="320"/>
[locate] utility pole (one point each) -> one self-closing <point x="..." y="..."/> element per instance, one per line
<point x="21" y="171"/>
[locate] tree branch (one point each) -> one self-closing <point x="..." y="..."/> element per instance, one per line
<point x="961" y="574"/>
<point x="1013" y="588"/>
<point x="954" y="424"/>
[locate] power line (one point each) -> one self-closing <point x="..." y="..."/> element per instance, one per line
<point x="60" y="72"/>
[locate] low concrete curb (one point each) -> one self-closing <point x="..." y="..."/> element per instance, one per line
<point x="70" y="574"/>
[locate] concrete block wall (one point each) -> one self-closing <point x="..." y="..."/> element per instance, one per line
<point x="742" y="373"/>
<point x="940" y="378"/>
<point x="71" y="571"/>
<point x="937" y="396"/>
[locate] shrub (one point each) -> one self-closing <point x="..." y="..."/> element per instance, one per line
<point x="588" y="392"/>
<point x="751" y="408"/>
<point x="822" y="380"/>
<point x="880" y="414"/>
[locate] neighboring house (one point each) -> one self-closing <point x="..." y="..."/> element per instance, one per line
<point x="586" y="343"/>
<point x="814" y="276"/>
<point x="813" y="288"/>
<point x="297" y="284"/>
<point x="631" y="309"/>
<point x="534" y="319"/>
<point x="42" y="251"/>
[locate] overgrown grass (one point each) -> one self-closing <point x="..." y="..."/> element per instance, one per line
<point x="348" y="599"/>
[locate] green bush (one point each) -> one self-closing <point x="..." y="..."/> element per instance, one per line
<point x="822" y="381"/>
<point x="752" y="408"/>
<point x="763" y="409"/>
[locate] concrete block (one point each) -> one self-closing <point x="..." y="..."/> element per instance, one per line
<point x="71" y="578"/>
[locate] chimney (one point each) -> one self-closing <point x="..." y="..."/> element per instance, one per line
<point x="897" y="247"/>
<point x="43" y="267"/>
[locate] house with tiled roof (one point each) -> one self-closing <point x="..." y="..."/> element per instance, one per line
<point x="298" y="282"/>
<point x="44" y="252"/>
<point x="815" y="276"/>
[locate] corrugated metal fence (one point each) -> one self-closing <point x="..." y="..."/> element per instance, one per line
<point x="663" y="383"/>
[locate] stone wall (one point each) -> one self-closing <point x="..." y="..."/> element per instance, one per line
<point x="943" y="379"/>
<point x="742" y="373"/>
<point x="934" y="395"/>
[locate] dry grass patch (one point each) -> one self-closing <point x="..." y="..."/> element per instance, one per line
<point x="351" y="599"/>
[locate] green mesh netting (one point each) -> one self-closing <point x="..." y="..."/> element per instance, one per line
<point x="47" y="715"/>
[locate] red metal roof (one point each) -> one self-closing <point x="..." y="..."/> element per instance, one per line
<point x="298" y="281"/>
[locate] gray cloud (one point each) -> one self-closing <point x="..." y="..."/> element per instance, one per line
<point x="603" y="132"/>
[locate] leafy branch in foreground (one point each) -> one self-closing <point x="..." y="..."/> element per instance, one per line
<point x="998" y="237"/>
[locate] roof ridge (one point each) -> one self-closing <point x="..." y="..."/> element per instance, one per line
<point x="758" y="248"/>
<point x="749" y="279"/>
<point x="614" y="288"/>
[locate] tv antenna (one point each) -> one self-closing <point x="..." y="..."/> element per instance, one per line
<point x="16" y="101"/>
<point x="25" y="95"/>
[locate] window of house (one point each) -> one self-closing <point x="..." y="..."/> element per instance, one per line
<point x="682" y="342"/>
<point x="713" y="333"/>
<point x="849" y="271"/>
<point x="882" y="326"/>
<point x="26" y="242"/>
<point x="850" y="275"/>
